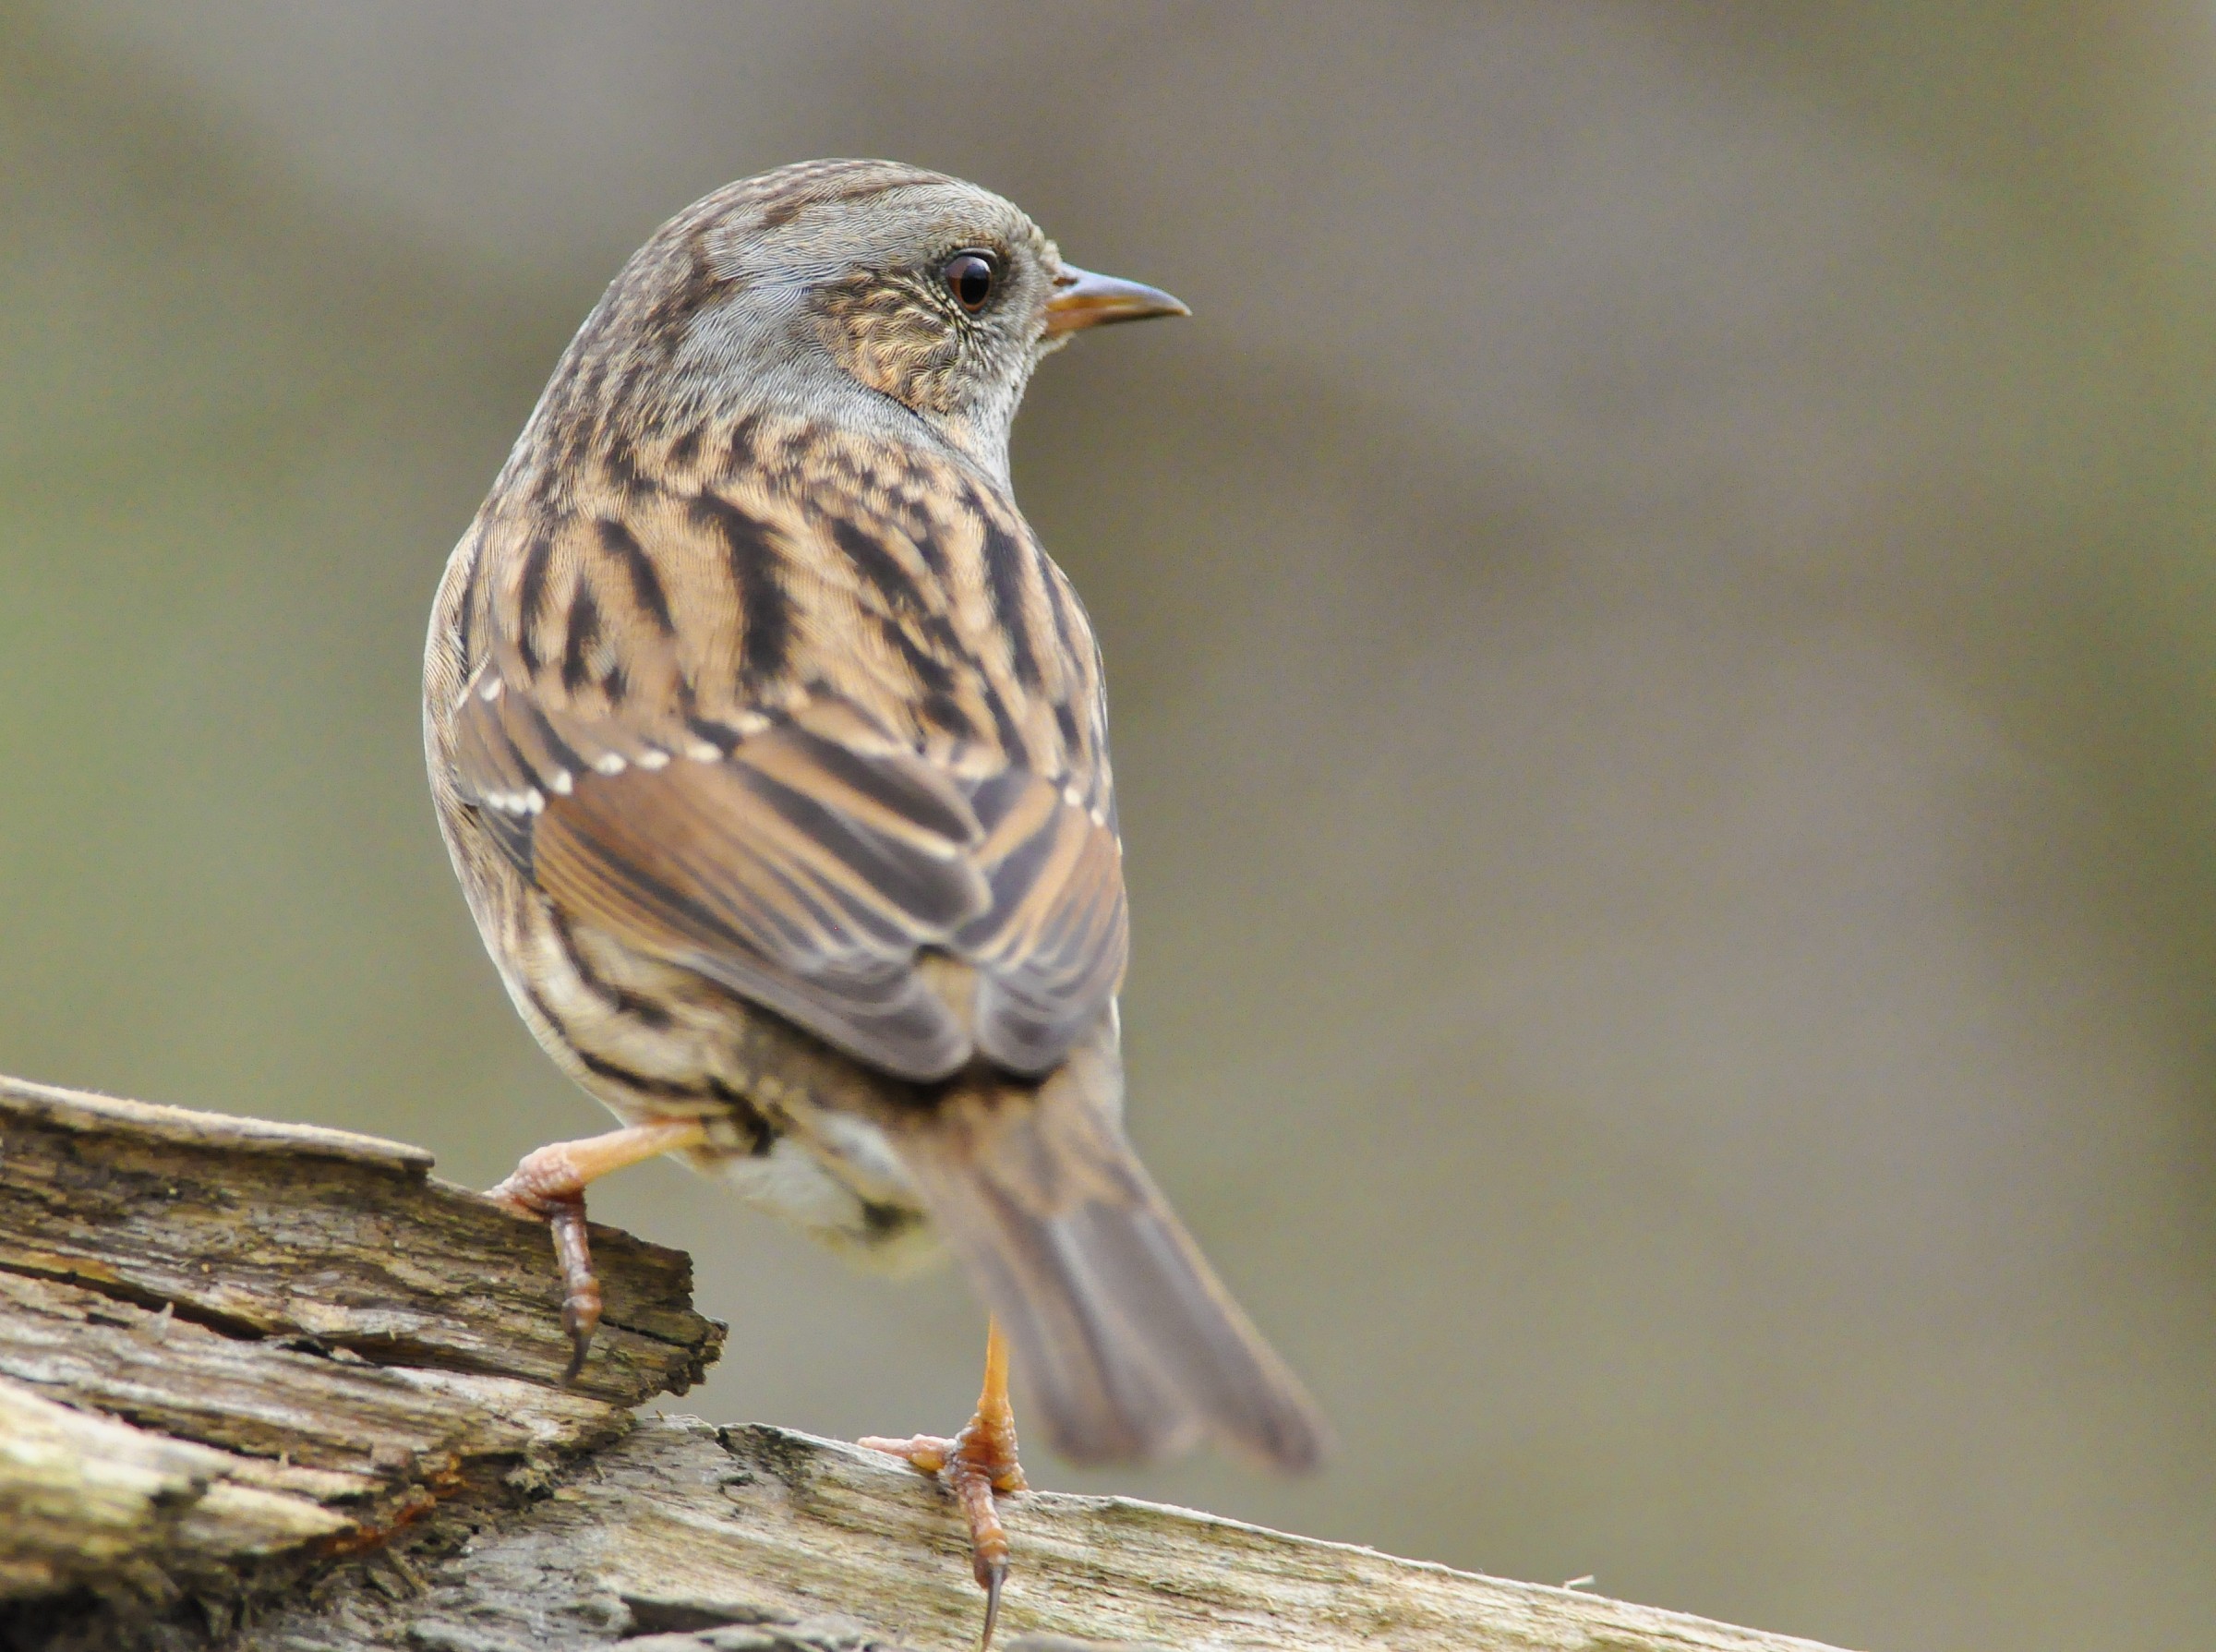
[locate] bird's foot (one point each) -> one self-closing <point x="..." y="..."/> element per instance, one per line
<point x="532" y="1192"/>
<point x="974" y="1465"/>
<point x="548" y="1185"/>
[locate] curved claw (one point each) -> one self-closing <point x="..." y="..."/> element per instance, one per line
<point x="580" y="1344"/>
<point x="974" y="1465"/>
<point x="580" y="1302"/>
<point x="992" y="1576"/>
<point x="548" y="1185"/>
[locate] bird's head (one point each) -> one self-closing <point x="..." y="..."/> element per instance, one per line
<point x="861" y="290"/>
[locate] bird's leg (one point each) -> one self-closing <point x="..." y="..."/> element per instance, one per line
<point x="548" y="1185"/>
<point x="975" y="1464"/>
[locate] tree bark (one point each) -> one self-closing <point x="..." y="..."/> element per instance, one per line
<point x="277" y="1388"/>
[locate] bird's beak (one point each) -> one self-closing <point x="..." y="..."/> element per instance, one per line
<point x="1083" y="300"/>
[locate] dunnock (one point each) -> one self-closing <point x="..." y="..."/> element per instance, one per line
<point x="772" y="752"/>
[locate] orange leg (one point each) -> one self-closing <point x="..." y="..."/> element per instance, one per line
<point x="548" y="1185"/>
<point x="975" y="1464"/>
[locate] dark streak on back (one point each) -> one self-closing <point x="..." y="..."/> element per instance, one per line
<point x="646" y="583"/>
<point x="738" y="451"/>
<point x="621" y="462"/>
<point x="1005" y="730"/>
<point x="529" y="597"/>
<point x="876" y="564"/>
<point x="757" y="571"/>
<point x="584" y="634"/>
<point x="1006" y="559"/>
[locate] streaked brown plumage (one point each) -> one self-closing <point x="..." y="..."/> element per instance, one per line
<point x="771" y="750"/>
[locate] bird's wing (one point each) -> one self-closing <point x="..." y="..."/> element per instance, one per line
<point x="1051" y="944"/>
<point x="804" y="870"/>
<point x="803" y="857"/>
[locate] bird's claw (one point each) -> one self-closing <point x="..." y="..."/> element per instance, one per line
<point x="974" y="1465"/>
<point x="992" y="1576"/>
<point x="564" y="1213"/>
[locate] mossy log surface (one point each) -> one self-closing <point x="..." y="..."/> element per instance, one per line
<point x="278" y="1389"/>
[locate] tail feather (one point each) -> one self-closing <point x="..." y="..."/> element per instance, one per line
<point x="1126" y="1342"/>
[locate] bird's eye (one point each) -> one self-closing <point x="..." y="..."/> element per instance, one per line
<point x="971" y="277"/>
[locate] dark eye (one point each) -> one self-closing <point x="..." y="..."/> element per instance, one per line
<point x="971" y="277"/>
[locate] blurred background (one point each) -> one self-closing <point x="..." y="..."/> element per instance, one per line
<point x="1664" y="642"/>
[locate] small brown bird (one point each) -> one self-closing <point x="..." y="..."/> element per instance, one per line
<point x="772" y="752"/>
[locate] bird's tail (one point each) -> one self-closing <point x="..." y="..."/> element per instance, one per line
<point x="1128" y="1345"/>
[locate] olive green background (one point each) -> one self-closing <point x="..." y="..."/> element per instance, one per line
<point x="1662" y="626"/>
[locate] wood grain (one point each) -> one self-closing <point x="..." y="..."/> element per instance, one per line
<point x="232" y="1350"/>
<point x="345" y="1241"/>
<point x="689" y="1532"/>
<point x="275" y="1389"/>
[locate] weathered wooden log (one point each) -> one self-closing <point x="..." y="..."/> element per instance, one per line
<point x="277" y="1389"/>
<point x="232" y="1351"/>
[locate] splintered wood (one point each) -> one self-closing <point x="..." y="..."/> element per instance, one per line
<point x="230" y="1349"/>
<point x="276" y="1389"/>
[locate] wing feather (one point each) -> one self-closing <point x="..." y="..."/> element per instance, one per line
<point x="769" y="886"/>
<point x="793" y="847"/>
<point x="1050" y="947"/>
